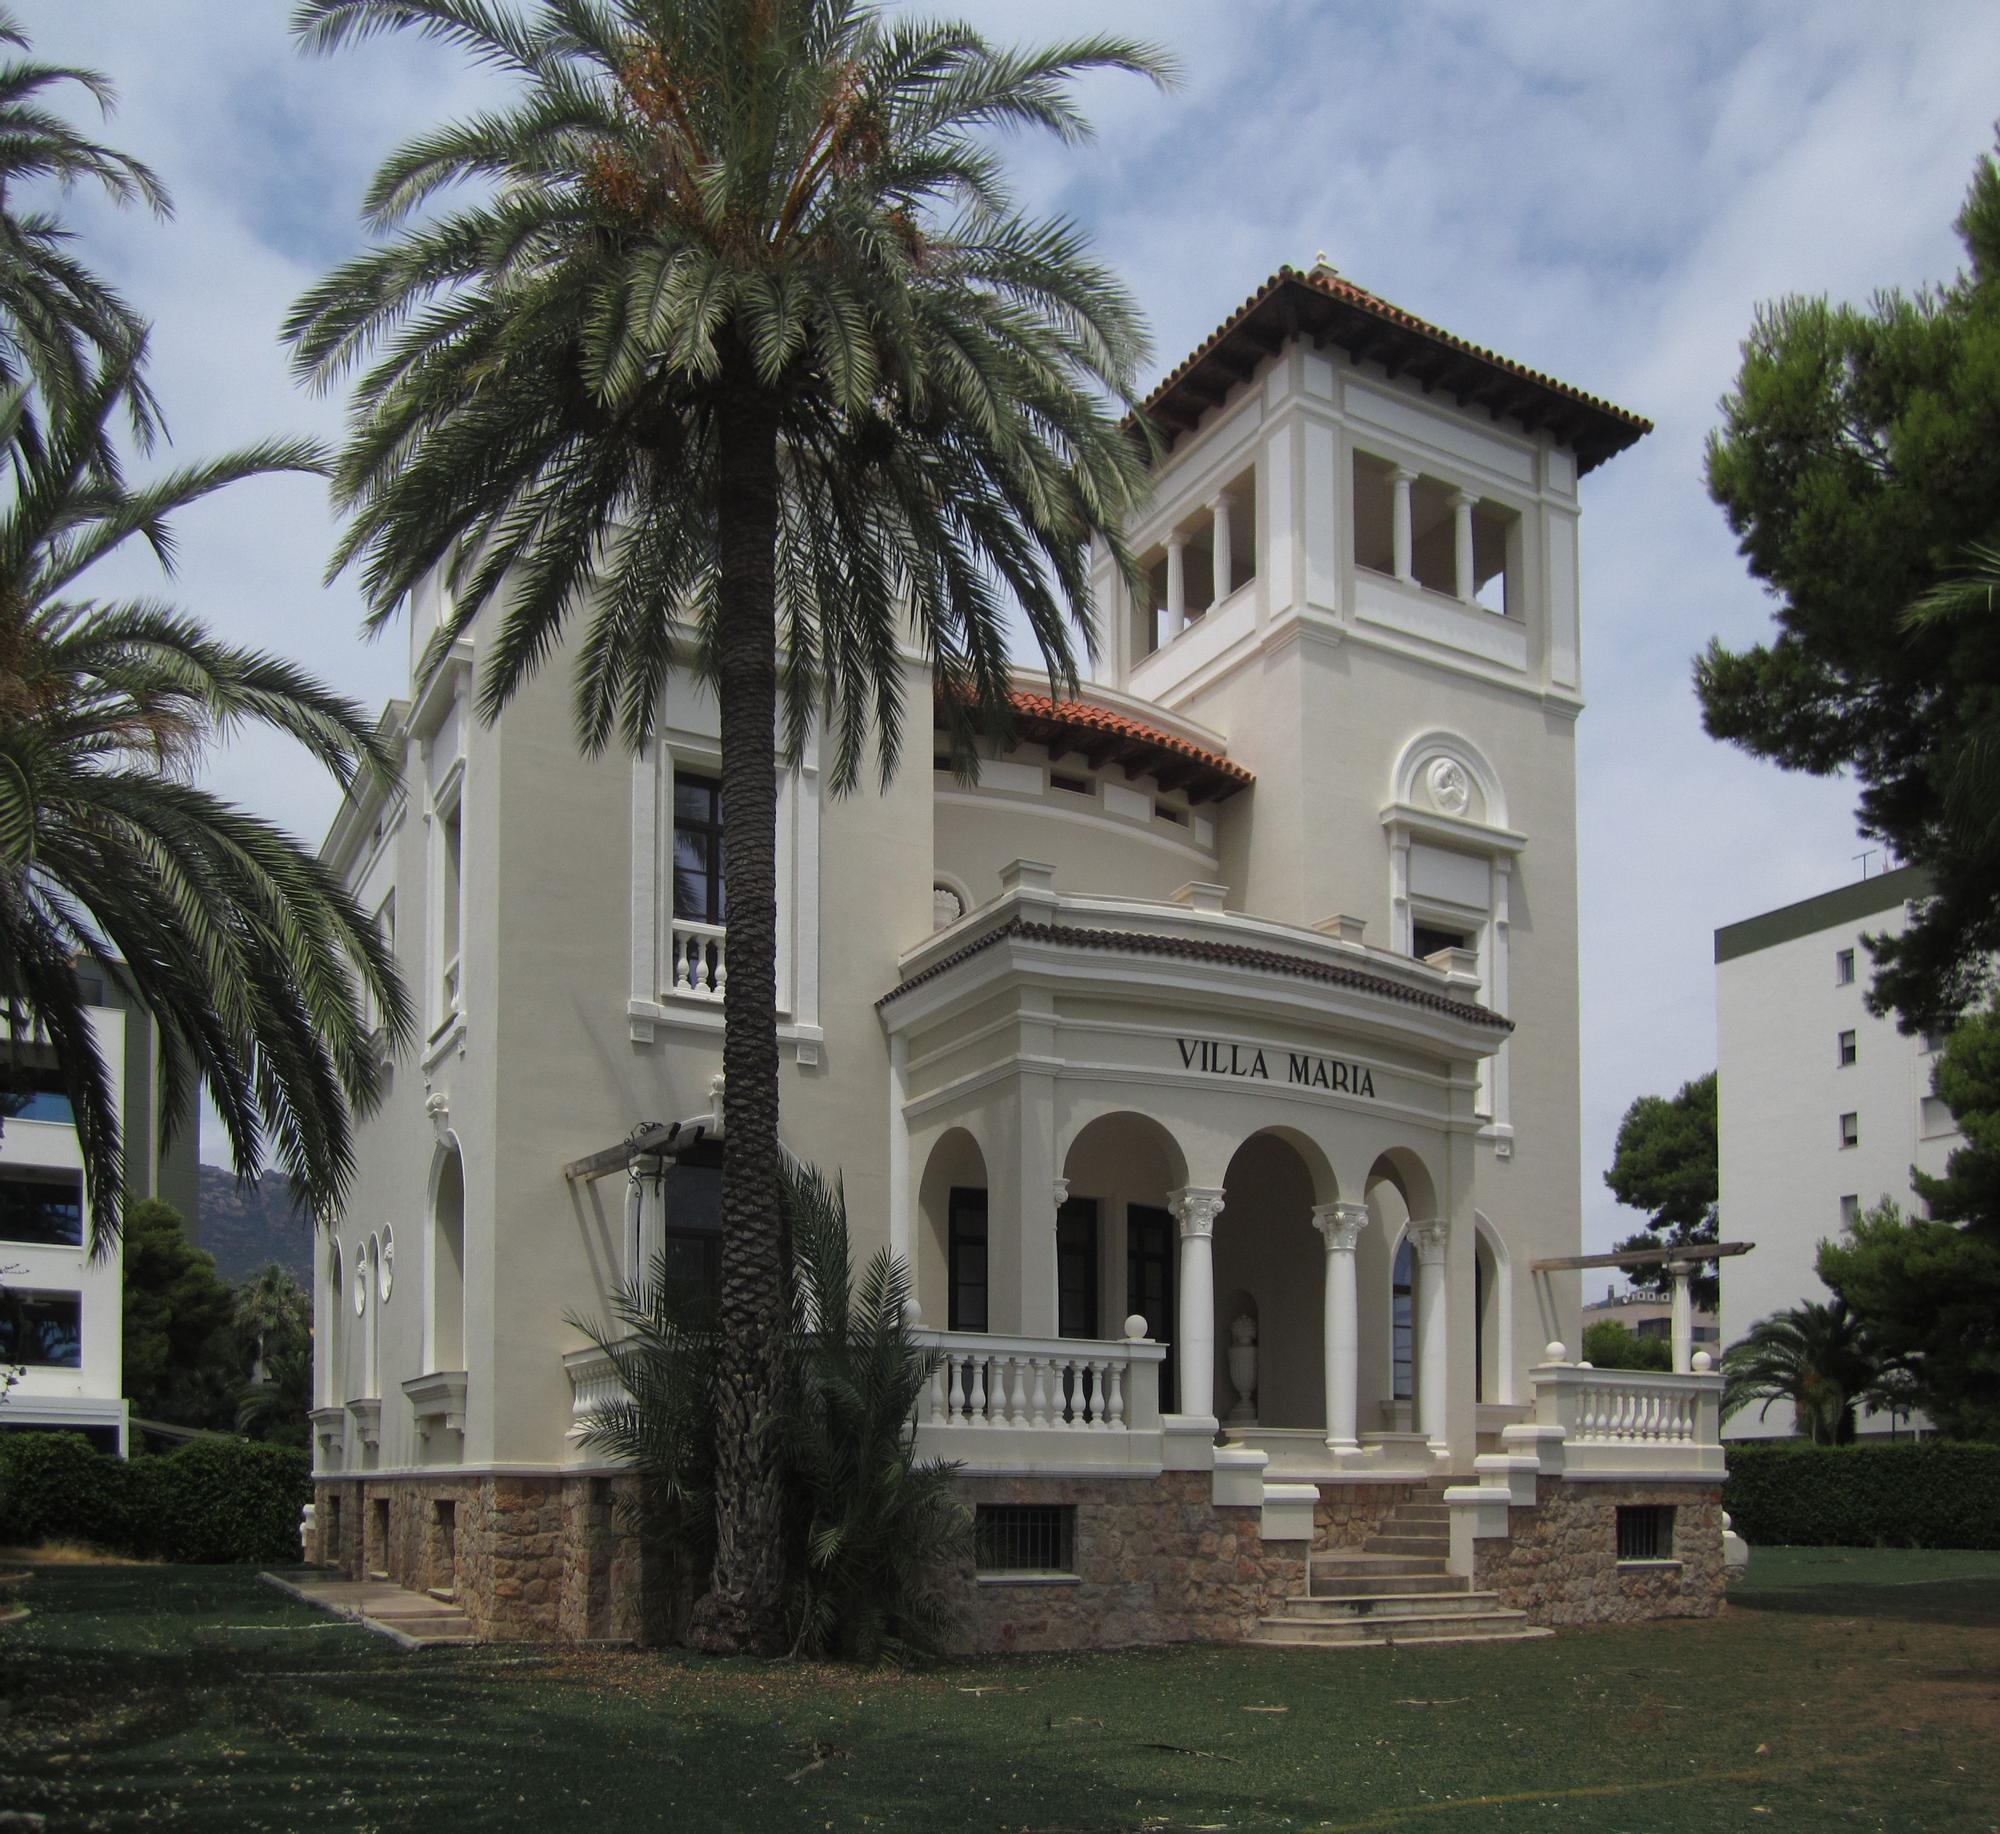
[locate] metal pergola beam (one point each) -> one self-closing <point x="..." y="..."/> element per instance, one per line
<point x="1642" y="1257"/>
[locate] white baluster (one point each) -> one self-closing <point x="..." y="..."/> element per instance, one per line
<point x="1017" y="1391"/>
<point x="977" y="1404"/>
<point x="1115" y="1413"/>
<point x="934" y="1394"/>
<point x="680" y="963"/>
<point x="720" y="979"/>
<point x="1097" y="1369"/>
<point x="1038" y="1398"/>
<point x="955" y="1399"/>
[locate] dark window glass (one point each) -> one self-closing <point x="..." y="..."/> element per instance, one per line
<point x="42" y="1329"/>
<point x="1426" y="941"/>
<point x="33" y="1094"/>
<point x="1149" y="1283"/>
<point x="1076" y="1268"/>
<point x="1024" y="1537"/>
<point x="691" y="1237"/>
<point x="698" y="891"/>
<point x="1646" y="1531"/>
<point x="968" y="1260"/>
<point x="46" y="1210"/>
<point x="1403" y="1318"/>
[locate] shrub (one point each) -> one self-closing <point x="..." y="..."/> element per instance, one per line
<point x="1907" y="1493"/>
<point x="211" y="1500"/>
<point x="1610" y="1344"/>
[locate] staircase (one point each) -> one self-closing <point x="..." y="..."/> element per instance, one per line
<point x="416" y="1620"/>
<point x="1395" y="1590"/>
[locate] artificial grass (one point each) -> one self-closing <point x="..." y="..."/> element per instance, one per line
<point x="1842" y="1689"/>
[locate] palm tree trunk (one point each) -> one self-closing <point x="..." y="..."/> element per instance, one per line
<point x="744" y="1605"/>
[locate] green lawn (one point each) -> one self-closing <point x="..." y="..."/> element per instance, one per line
<point x="1844" y="1688"/>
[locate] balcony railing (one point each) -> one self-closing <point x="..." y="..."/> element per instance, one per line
<point x="1636" y="1422"/>
<point x="594" y="1383"/>
<point x="700" y="959"/>
<point x="1029" y="1401"/>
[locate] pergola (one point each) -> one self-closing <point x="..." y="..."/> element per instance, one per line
<point x="1679" y="1262"/>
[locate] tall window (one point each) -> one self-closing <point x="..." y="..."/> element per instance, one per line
<point x="698" y="891"/>
<point x="1850" y="1130"/>
<point x="1843" y="967"/>
<point x="1402" y="1321"/>
<point x="451" y="882"/>
<point x="1076" y="1268"/>
<point x="691" y="1235"/>
<point x="42" y="1207"/>
<point x="968" y="1259"/>
<point x="1850" y="1049"/>
<point x="43" y="1330"/>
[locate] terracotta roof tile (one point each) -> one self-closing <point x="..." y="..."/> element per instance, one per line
<point x="1089" y="717"/>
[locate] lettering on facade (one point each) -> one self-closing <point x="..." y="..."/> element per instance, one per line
<point x="1302" y="1069"/>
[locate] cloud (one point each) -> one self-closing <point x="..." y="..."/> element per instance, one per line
<point x="1602" y="192"/>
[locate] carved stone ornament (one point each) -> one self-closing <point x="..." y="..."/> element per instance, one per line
<point x="1340" y="1225"/>
<point x="1196" y="1211"/>
<point x="947" y="907"/>
<point x="1450" y="788"/>
<point x="1430" y="1239"/>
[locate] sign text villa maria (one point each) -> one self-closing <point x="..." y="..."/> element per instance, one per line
<point x="1299" y="1068"/>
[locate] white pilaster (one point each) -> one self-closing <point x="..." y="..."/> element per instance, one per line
<point x="1196" y="1209"/>
<point x="1340" y="1227"/>
<point x="1399" y="523"/>
<point x="1218" y="511"/>
<point x="1461" y="511"/>
<point x="1061" y="1193"/>
<point x="899" y="1152"/>
<point x="1683" y="1317"/>
<point x="1433" y="1332"/>
<point x="1176" y="585"/>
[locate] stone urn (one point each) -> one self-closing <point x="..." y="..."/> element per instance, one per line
<point x="1243" y="1370"/>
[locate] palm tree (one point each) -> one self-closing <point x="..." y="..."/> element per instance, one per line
<point x="273" y="1314"/>
<point x="740" y="351"/>
<point x="243" y="947"/>
<point x="58" y="321"/>
<point x="1815" y="1356"/>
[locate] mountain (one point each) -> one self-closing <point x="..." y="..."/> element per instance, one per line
<point x="247" y="1228"/>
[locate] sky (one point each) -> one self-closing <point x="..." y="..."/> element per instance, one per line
<point x="1602" y="192"/>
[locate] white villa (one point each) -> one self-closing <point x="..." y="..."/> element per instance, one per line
<point x="1212" y="1061"/>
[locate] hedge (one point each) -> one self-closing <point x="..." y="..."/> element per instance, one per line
<point x="211" y="1500"/>
<point x="1905" y="1493"/>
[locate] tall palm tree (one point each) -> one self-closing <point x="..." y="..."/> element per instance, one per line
<point x="1815" y="1356"/>
<point x="740" y="356"/>
<point x="245" y="949"/>
<point x="58" y="321"/>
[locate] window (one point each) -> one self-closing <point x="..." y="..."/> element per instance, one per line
<point x="42" y="1207"/>
<point x="451" y="883"/>
<point x="1843" y="967"/>
<point x="1850" y="1049"/>
<point x="1167" y="812"/>
<point x="1935" y="1117"/>
<point x="1402" y="1321"/>
<point x="967" y="1273"/>
<point x="1850" y="1130"/>
<point x="43" y="1330"/>
<point x="1646" y="1531"/>
<point x="1850" y="1210"/>
<point x="34" y="1093"/>
<point x="691" y="1235"/>
<point x="698" y="892"/>
<point x="1426" y="940"/>
<point x="1075" y="786"/>
<point x="1076" y="1268"/>
<point x="1933" y="1043"/>
<point x="1024" y="1538"/>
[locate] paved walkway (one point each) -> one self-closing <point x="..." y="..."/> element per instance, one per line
<point x="416" y="1620"/>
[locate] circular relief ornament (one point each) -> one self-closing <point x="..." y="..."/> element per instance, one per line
<point x="1450" y="788"/>
<point x="947" y="907"/>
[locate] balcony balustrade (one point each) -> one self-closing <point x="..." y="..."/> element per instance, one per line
<point x="1632" y="1422"/>
<point x="700" y="959"/>
<point x="1028" y="1402"/>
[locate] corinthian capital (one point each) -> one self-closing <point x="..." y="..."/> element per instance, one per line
<point x="1430" y="1239"/>
<point x="1195" y="1209"/>
<point x="1340" y="1225"/>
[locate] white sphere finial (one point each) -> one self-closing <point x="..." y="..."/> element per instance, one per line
<point x="1135" y="1328"/>
<point x="1703" y="1362"/>
<point x="1555" y="1351"/>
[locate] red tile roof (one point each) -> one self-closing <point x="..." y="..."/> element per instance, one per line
<point x="1331" y="310"/>
<point x="1084" y="726"/>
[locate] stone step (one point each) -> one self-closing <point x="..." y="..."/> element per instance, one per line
<point x="445" y="1595"/>
<point x="1424" y="1627"/>
<point x="1425" y="1547"/>
<point x="1268" y="1639"/>
<point x="1324" y="1606"/>
<point x="1414" y="1513"/>
<point x="378" y="1577"/>
<point x="1386" y="1585"/>
<point x="1361" y="1565"/>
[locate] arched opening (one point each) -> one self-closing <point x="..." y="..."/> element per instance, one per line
<point x="1399" y="1192"/>
<point x="367" y="1297"/>
<point x="336" y="1331"/>
<point x="1493" y="1315"/>
<point x="1265" y="1245"/>
<point x="448" y="1265"/>
<point x="952" y="1268"/>
<point x="1117" y="1245"/>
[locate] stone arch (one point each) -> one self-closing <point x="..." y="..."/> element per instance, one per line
<point x="1409" y="785"/>
<point x="336" y="1332"/>
<point x="957" y="1163"/>
<point x="1493" y="1313"/>
<point x="445" y="1319"/>
<point x="369" y="1277"/>
<point x="1266" y="1246"/>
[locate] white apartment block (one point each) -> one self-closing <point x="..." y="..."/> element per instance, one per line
<point x="1212" y="1061"/>
<point x="1824" y="1108"/>
<point x="62" y="1315"/>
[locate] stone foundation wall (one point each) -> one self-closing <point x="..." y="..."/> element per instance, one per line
<point x="1560" y="1561"/>
<point x="1155" y="1562"/>
<point x="1347" y="1514"/>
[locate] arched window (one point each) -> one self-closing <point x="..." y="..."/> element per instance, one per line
<point x="448" y="1266"/>
<point x="1402" y="1321"/>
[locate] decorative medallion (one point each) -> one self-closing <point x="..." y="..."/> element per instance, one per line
<point x="1450" y="788"/>
<point x="947" y="907"/>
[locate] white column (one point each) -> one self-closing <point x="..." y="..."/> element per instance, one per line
<point x="1683" y="1317"/>
<point x="1219" y="547"/>
<point x="1176" y="585"/>
<point x="1195" y="1210"/>
<point x="1433" y="1334"/>
<point x="1061" y="1192"/>
<point x="1399" y="522"/>
<point x="1340" y="1227"/>
<point x="1461" y="508"/>
<point x="899" y="1155"/>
